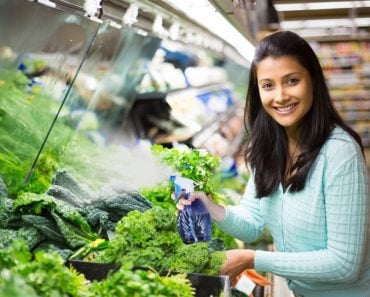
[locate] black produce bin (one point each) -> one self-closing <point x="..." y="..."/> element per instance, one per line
<point x="204" y="285"/>
<point x="92" y="270"/>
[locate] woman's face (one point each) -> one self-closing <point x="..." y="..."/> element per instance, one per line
<point x="285" y="88"/>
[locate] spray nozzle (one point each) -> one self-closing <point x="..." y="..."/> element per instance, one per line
<point x="182" y="185"/>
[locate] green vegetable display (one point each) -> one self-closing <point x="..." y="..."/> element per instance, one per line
<point x="13" y="285"/>
<point x="142" y="283"/>
<point x="59" y="222"/>
<point x="29" y="234"/>
<point x="44" y="274"/>
<point x="150" y="239"/>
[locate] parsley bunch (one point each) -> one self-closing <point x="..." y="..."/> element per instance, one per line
<point x="196" y="164"/>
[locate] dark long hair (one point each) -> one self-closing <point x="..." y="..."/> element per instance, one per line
<point x="267" y="148"/>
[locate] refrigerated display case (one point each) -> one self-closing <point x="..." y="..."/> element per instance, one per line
<point x="73" y="90"/>
<point x="82" y="80"/>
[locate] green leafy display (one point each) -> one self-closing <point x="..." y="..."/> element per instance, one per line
<point x="142" y="283"/>
<point x="59" y="222"/>
<point x="150" y="239"/>
<point x="45" y="274"/>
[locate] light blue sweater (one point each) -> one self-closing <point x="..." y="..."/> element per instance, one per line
<point x="322" y="233"/>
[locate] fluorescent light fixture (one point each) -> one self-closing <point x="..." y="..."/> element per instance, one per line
<point x="325" y="23"/>
<point x="321" y="5"/>
<point x="320" y="32"/>
<point x="202" y="10"/>
<point x="362" y="22"/>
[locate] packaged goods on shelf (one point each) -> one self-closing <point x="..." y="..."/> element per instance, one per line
<point x="346" y="67"/>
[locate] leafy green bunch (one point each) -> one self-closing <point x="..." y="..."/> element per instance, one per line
<point x="43" y="274"/>
<point x="196" y="164"/>
<point x="58" y="222"/>
<point x="142" y="283"/>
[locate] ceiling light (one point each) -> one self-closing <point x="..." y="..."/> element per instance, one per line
<point x="325" y="23"/>
<point x="203" y="12"/>
<point x="323" y="32"/>
<point x="321" y="5"/>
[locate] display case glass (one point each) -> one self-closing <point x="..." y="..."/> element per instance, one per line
<point x="77" y="92"/>
<point x="95" y="110"/>
<point x="39" y="47"/>
<point x="67" y="83"/>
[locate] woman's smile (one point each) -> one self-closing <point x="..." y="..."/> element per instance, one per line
<point x="286" y="109"/>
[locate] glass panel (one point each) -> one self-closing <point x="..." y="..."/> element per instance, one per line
<point x="91" y="124"/>
<point x="41" y="50"/>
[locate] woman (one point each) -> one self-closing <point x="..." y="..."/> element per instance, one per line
<point x="308" y="180"/>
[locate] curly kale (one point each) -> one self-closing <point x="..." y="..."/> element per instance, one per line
<point x="151" y="239"/>
<point x="216" y="260"/>
<point x="190" y="258"/>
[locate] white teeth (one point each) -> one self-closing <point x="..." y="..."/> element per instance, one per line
<point x="286" y="108"/>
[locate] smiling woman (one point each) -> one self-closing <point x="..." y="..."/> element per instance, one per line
<point x="308" y="182"/>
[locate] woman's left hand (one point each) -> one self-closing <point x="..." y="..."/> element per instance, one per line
<point x="236" y="262"/>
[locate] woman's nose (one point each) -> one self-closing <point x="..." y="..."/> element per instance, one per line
<point x="280" y="95"/>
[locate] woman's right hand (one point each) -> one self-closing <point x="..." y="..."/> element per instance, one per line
<point x="216" y="211"/>
<point x="182" y="202"/>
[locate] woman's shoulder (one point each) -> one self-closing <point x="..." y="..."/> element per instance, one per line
<point x="341" y="144"/>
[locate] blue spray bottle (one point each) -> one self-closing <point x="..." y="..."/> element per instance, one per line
<point x="194" y="222"/>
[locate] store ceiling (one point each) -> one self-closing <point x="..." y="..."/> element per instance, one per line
<point x="315" y="20"/>
<point x="327" y="19"/>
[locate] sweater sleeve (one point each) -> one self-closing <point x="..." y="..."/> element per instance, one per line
<point x="345" y="188"/>
<point x="244" y="221"/>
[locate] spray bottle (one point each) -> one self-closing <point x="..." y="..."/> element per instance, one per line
<point x="194" y="222"/>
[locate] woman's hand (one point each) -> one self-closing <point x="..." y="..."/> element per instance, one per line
<point x="192" y="196"/>
<point x="216" y="211"/>
<point x="236" y="262"/>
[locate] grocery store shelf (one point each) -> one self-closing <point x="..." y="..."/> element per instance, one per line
<point x="200" y="89"/>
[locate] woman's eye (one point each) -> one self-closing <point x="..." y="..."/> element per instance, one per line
<point x="266" y="86"/>
<point x="292" y="81"/>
